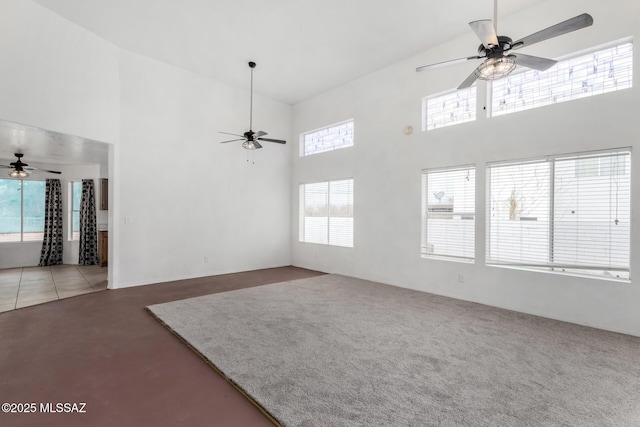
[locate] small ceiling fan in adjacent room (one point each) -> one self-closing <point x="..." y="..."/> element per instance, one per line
<point x="251" y="139"/>
<point x="20" y="169"/>
<point x="495" y="51"/>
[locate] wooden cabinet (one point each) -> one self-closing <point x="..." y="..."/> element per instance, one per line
<point x="103" y="247"/>
<point x="104" y="194"/>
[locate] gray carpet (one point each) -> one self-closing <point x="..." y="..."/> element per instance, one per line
<point x="338" y="351"/>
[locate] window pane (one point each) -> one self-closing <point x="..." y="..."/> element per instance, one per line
<point x="10" y="210"/>
<point x="327" y="139"/>
<point x="75" y="213"/>
<point x="316" y="201"/>
<point x="606" y="70"/>
<point x="33" y="213"/>
<point x="77" y="195"/>
<point x="341" y="213"/>
<point x="592" y="212"/>
<point x="568" y="214"/>
<point x="449" y="213"/>
<point x="327" y="213"/>
<point x="519" y="213"/>
<point x="452" y="108"/>
<point x="76" y="225"/>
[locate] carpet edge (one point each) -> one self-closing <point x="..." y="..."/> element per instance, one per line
<point x="216" y="369"/>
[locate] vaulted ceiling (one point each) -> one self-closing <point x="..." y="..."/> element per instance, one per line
<point x="302" y="47"/>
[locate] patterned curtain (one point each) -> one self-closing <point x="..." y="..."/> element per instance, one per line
<point x="88" y="230"/>
<point x="51" y="253"/>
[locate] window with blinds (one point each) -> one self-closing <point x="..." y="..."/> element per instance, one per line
<point x="605" y="70"/>
<point x="450" y="108"/>
<point x="448" y="213"/>
<point x="563" y="214"/>
<point x="328" y="138"/>
<point x="326" y="213"/>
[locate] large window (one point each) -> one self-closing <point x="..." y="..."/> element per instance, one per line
<point x="605" y="70"/>
<point x="564" y="213"/>
<point x="329" y="138"/>
<point x="76" y="196"/>
<point x="450" y="108"/>
<point x="326" y="212"/>
<point x="448" y="213"/>
<point x="21" y="210"/>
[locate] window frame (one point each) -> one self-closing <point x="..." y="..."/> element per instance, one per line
<point x="425" y="191"/>
<point x="22" y="219"/>
<point x="303" y="206"/>
<point x="72" y="234"/>
<point x="492" y="111"/>
<point x="303" y="150"/>
<point x="577" y="269"/>
<point x="473" y="106"/>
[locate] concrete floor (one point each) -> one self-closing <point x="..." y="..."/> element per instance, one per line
<point x="23" y="287"/>
<point x="105" y="350"/>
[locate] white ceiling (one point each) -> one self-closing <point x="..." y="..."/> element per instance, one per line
<point x="302" y="47"/>
<point x="42" y="146"/>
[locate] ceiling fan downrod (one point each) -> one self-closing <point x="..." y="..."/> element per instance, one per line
<point x="252" y="65"/>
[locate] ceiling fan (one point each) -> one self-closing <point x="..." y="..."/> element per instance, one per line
<point x="250" y="137"/>
<point x="19" y="169"/>
<point x="495" y="50"/>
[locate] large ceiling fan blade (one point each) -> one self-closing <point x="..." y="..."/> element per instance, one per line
<point x="485" y="31"/>
<point x="535" y="62"/>
<point x="468" y="81"/>
<point x="5" y="166"/>
<point x="259" y="134"/>
<point x="234" y="134"/>
<point x="573" y="24"/>
<point x="45" y="170"/>
<point x="279" y="141"/>
<point x="232" y="140"/>
<point x="445" y="63"/>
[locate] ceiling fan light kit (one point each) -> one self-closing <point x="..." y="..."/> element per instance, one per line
<point x="495" y="51"/>
<point x="250" y="137"/>
<point x="495" y="68"/>
<point x="18" y="174"/>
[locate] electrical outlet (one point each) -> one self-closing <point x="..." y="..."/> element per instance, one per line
<point x="206" y="258"/>
<point x="460" y="278"/>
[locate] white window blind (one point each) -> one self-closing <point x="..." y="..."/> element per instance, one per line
<point x="605" y="70"/>
<point x="326" y="214"/>
<point x="329" y="138"/>
<point x="565" y="213"/>
<point x="451" y="108"/>
<point x="448" y="206"/>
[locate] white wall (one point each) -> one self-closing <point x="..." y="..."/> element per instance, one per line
<point x="187" y="196"/>
<point x="56" y="75"/>
<point x="386" y="166"/>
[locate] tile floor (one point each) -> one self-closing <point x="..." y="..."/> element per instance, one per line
<point x="22" y="287"/>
